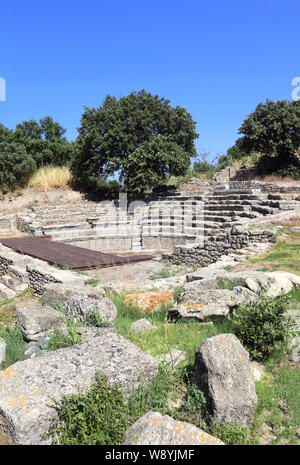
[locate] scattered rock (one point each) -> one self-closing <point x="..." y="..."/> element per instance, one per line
<point x="272" y="283"/>
<point x="142" y="325"/>
<point x="80" y="307"/>
<point x="35" y="320"/>
<point x="258" y="371"/>
<point x="203" y="304"/>
<point x="58" y="294"/>
<point x="156" y="429"/>
<point x="148" y="301"/>
<point x="174" y="358"/>
<point x="27" y="388"/>
<point x="6" y="292"/>
<point x="223" y="374"/>
<point x="32" y="349"/>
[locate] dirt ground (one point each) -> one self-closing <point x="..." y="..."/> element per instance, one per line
<point x="27" y="198"/>
<point x="138" y="275"/>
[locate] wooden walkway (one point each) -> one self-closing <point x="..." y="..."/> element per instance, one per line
<point x="65" y="255"/>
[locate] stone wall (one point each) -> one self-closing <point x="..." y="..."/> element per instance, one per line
<point x="268" y="187"/>
<point x="211" y="250"/>
<point x="8" y="222"/>
<point x="36" y="273"/>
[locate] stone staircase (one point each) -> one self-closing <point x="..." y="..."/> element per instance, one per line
<point x="158" y="224"/>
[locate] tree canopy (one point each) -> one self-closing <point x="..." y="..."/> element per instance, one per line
<point x="272" y="129"/>
<point x="140" y="137"/>
<point x="16" y="165"/>
<point x="45" y="142"/>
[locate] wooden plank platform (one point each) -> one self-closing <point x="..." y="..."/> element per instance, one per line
<point x="65" y="255"/>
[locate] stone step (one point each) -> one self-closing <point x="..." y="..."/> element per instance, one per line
<point x="14" y="284"/>
<point x="225" y="208"/>
<point x="6" y="293"/>
<point x="232" y="197"/>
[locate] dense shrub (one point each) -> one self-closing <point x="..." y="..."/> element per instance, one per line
<point x="16" y="166"/>
<point x="263" y="327"/>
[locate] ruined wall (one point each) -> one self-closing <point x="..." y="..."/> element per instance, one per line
<point x="211" y="250"/>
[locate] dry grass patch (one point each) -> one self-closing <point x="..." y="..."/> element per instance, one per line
<point x="50" y="177"/>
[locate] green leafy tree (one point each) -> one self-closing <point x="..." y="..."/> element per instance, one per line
<point x="114" y="138"/>
<point x="45" y="142"/>
<point x="153" y="162"/>
<point x="6" y="135"/>
<point x="274" y="130"/>
<point x="16" y="166"/>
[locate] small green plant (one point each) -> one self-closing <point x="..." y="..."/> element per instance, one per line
<point x="93" y="319"/>
<point x="99" y="417"/>
<point x="58" y="341"/>
<point x="92" y="282"/>
<point x="228" y="267"/>
<point x="263" y="327"/>
<point x="14" y="345"/>
<point x="224" y="283"/>
<point x="164" y="273"/>
<point x="195" y="399"/>
<point x="72" y="327"/>
<point x="177" y="291"/>
<point x="230" y="434"/>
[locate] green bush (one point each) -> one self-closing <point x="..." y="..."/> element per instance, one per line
<point x="263" y="327"/>
<point x="16" y="166"/>
<point x="99" y="417"/>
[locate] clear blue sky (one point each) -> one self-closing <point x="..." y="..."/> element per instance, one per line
<point x="218" y="59"/>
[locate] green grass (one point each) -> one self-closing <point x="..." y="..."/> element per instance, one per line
<point x="182" y="335"/>
<point x="92" y="282"/>
<point x="295" y="294"/>
<point x="14" y="345"/>
<point x="285" y="256"/>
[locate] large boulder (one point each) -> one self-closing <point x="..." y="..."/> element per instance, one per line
<point x="34" y="321"/>
<point x="223" y="373"/>
<point x="27" y="388"/>
<point x="158" y="430"/>
<point x="80" y="307"/>
<point x="198" y="303"/>
<point x="80" y="301"/>
<point x="271" y="284"/>
<point x="148" y="301"/>
<point x="58" y="294"/>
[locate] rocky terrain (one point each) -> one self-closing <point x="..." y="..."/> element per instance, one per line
<point x="131" y="323"/>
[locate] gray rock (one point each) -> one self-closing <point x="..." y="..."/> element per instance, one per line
<point x="34" y="321"/>
<point x="80" y="307"/>
<point x="27" y="388"/>
<point x="142" y="325"/>
<point x="272" y="283"/>
<point x="2" y="351"/>
<point x="156" y="429"/>
<point x="223" y="373"/>
<point x="58" y="294"/>
<point x="202" y="305"/>
<point x="174" y="358"/>
<point x="32" y="349"/>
